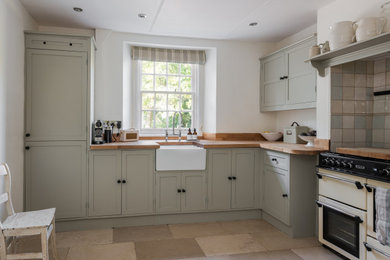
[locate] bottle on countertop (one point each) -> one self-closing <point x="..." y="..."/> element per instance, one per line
<point x="189" y="134"/>
<point x="195" y="135"/>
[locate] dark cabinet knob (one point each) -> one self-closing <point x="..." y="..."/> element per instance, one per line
<point x="183" y="190"/>
<point x="44" y="42"/>
<point x="234" y="178"/>
<point x="274" y="159"/>
<point x="70" y="44"/>
<point x="229" y="178"/>
<point x="28" y="135"/>
<point x="178" y="190"/>
<point x="285" y="77"/>
<point x="123" y="181"/>
<point x="281" y="78"/>
<point x="284" y="195"/>
<point x="27" y="147"/>
<point x="119" y="181"/>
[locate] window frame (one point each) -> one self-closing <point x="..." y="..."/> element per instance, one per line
<point x="138" y="100"/>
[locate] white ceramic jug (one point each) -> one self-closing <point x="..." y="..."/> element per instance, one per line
<point x="342" y="34"/>
<point x="369" y="27"/>
<point x="386" y="13"/>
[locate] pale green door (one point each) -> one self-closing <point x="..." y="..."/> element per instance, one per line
<point x="194" y="195"/>
<point x="168" y="192"/>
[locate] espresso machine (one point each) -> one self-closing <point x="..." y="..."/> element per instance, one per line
<point x="97" y="132"/>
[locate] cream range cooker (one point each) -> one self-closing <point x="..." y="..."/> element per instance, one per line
<point x="346" y="204"/>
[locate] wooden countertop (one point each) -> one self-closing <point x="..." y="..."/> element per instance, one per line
<point x="299" y="149"/>
<point x="377" y="153"/>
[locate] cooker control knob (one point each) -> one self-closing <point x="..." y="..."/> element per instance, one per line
<point x="338" y="164"/>
<point x="386" y="172"/>
<point x="350" y="165"/>
<point x="332" y="162"/>
<point x="344" y="165"/>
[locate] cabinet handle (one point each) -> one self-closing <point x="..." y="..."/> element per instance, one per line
<point x="123" y="181"/>
<point x="274" y="160"/>
<point x="118" y="181"/>
<point x="183" y="190"/>
<point x="234" y="178"/>
<point x="284" y="195"/>
<point x="27" y="147"/>
<point x="70" y="44"/>
<point x="178" y="190"/>
<point x="281" y="78"/>
<point x="285" y="77"/>
<point x="28" y="135"/>
<point x="229" y="178"/>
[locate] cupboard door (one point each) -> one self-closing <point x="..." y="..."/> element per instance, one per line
<point x="302" y="77"/>
<point x="194" y="195"/>
<point x="273" y="92"/>
<point x="167" y="195"/>
<point x="55" y="95"/>
<point x="276" y="194"/>
<point x="56" y="177"/>
<point x="244" y="174"/>
<point x="104" y="189"/>
<point x="219" y="186"/>
<point x="137" y="192"/>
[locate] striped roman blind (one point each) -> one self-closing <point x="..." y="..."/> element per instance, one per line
<point x="168" y="55"/>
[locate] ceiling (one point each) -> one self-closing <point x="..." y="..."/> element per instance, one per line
<point x="213" y="19"/>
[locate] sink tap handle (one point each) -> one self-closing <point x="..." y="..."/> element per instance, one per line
<point x="166" y="135"/>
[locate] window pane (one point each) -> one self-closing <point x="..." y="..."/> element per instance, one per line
<point x="147" y="101"/>
<point x="161" y="83"/>
<point x="147" y="82"/>
<point x="173" y="83"/>
<point x="173" y="68"/>
<point x="186" y="84"/>
<point x="161" y="102"/>
<point x="147" y="119"/>
<point x="161" y="68"/>
<point x="173" y="102"/>
<point x="170" y="119"/>
<point x="147" y="67"/>
<point x="186" y="102"/>
<point x="186" y="119"/>
<point x="186" y="69"/>
<point x="161" y="120"/>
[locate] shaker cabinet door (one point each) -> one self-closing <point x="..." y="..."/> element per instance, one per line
<point x="194" y="195"/>
<point x="168" y="196"/>
<point x="55" y="95"/>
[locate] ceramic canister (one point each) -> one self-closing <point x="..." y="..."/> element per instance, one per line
<point x="369" y="27"/>
<point x="341" y="34"/>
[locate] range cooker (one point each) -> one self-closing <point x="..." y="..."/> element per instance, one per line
<point x="346" y="204"/>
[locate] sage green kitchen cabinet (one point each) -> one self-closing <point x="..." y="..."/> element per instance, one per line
<point x="180" y="192"/>
<point x="286" y="81"/>
<point x="233" y="178"/>
<point x="138" y="191"/>
<point x="56" y="176"/>
<point x="105" y="183"/>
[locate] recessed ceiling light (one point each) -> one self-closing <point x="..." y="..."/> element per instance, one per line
<point x="142" y="16"/>
<point x="253" y="24"/>
<point x="77" y="9"/>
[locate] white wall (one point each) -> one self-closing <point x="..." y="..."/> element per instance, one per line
<point x="13" y="21"/>
<point x="237" y="80"/>
<point x="339" y="10"/>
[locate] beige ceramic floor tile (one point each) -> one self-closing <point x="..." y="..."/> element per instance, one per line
<point x="119" y="251"/>
<point x="144" y="233"/>
<point x="86" y="237"/>
<point x="31" y="244"/>
<point x="229" y="244"/>
<point x="197" y="230"/>
<point x="168" y="249"/>
<point x="277" y="240"/>
<point x="246" y="226"/>
<point x="317" y="253"/>
<point x="270" y="255"/>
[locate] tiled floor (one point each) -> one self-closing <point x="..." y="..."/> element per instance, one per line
<point x="233" y="240"/>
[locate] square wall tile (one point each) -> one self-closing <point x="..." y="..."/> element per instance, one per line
<point x="369" y="107"/>
<point x="360" y="80"/>
<point x="348" y="107"/>
<point x="369" y="135"/>
<point x="370" y="67"/>
<point x="360" y="135"/>
<point x="387" y="122"/>
<point x="379" y="80"/>
<point x="349" y="68"/>
<point x="336" y="122"/>
<point x="348" y="93"/>
<point x="369" y="94"/>
<point x="360" y="122"/>
<point x="360" y="93"/>
<point x="337" y="69"/>
<point x="379" y="66"/>
<point x="360" y="67"/>
<point x="337" y="93"/>
<point x="360" y="107"/>
<point x="336" y="135"/>
<point x="379" y="106"/>
<point x="349" y="80"/>
<point x="387" y="136"/>
<point x="336" y="107"/>
<point x="378" y="135"/>
<point x="348" y="122"/>
<point x="348" y="135"/>
<point x="370" y="81"/>
<point x="369" y="122"/>
<point x="334" y="145"/>
<point x="378" y="122"/>
<point x="336" y="79"/>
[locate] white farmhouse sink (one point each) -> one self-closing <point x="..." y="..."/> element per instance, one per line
<point x="180" y="158"/>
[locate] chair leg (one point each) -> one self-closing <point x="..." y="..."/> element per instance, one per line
<point x="45" y="248"/>
<point x="53" y="241"/>
<point x="3" y="248"/>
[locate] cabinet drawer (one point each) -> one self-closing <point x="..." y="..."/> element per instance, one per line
<point x="53" y="42"/>
<point x="275" y="159"/>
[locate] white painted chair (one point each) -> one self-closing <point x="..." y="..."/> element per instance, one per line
<point x="40" y="222"/>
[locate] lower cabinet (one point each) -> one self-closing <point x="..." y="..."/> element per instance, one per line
<point x="233" y="179"/>
<point x="56" y="177"/>
<point x="180" y="192"/>
<point x="121" y="183"/>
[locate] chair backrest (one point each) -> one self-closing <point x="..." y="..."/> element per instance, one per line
<point x="6" y="196"/>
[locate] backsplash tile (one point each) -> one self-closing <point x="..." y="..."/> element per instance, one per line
<point x="358" y="117"/>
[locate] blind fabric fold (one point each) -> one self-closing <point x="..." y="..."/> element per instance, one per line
<point x="168" y="55"/>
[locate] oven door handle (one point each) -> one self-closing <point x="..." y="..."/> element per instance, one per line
<point x="370" y="248"/>
<point x="357" y="218"/>
<point x="358" y="185"/>
<point x="369" y="187"/>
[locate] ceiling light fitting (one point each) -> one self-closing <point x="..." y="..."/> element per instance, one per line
<point x="142" y="16"/>
<point x="253" y="24"/>
<point x="77" y="9"/>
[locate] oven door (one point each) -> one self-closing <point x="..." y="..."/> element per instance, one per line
<point x="371" y="212"/>
<point x="342" y="228"/>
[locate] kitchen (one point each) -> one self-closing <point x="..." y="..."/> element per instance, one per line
<point x="227" y="102"/>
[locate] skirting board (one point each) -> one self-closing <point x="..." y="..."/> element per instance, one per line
<point x="101" y="223"/>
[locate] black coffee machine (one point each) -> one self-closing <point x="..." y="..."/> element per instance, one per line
<point x="97" y="132"/>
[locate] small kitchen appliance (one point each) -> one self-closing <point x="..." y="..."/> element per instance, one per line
<point x="290" y="134"/>
<point x="97" y="132"/>
<point x="108" y="134"/>
<point x="130" y="135"/>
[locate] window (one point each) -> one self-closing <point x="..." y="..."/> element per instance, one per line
<point x="167" y="92"/>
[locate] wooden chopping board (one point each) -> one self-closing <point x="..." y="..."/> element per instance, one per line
<point x="377" y="153"/>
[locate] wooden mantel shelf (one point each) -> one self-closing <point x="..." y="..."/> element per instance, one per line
<point x="378" y="45"/>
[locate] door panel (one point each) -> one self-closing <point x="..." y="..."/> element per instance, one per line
<point x="167" y="196"/>
<point x="194" y="197"/>
<point x="219" y="186"/>
<point x="104" y="189"/>
<point x="137" y="170"/>
<point x="55" y="95"/>
<point x="275" y="93"/>
<point x="56" y="177"/>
